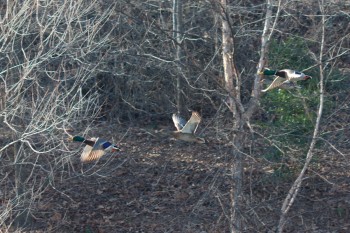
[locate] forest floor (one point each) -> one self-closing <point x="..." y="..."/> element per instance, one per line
<point x="157" y="184"/>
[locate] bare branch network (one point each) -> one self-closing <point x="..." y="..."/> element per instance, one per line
<point x="271" y="161"/>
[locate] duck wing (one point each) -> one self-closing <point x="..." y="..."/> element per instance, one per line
<point x="287" y="85"/>
<point x="278" y="81"/>
<point x="179" y="122"/>
<point x="93" y="153"/>
<point x="89" y="155"/>
<point x="192" y="123"/>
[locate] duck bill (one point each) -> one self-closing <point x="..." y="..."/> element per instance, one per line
<point x="114" y="149"/>
<point x="200" y="140"/>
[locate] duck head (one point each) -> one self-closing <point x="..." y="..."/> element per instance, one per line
<point x="77" y="138"/>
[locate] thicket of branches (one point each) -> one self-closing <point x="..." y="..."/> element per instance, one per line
<point x="69" y="63"/>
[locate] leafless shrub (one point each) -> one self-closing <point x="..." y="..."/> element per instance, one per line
<point x="51" y="52"/>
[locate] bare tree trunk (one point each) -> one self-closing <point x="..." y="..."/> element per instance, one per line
<point x="232" y="86"/>
<point x="178" y="34"/>
<point x="294" y="190"/>
<point x="22" y="219"/>
<point x="241" y="116"/>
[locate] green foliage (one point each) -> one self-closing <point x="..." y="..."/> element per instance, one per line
<point x="290" y="114"/>
<point x="290" y="53"/>
<point x="291" y="111"/>
<point x="287" y="112"/>
<point x="288" y="108"/>
<point x="294" y="111"/>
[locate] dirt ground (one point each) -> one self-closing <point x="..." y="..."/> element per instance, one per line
<point x="156" y="184"/>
